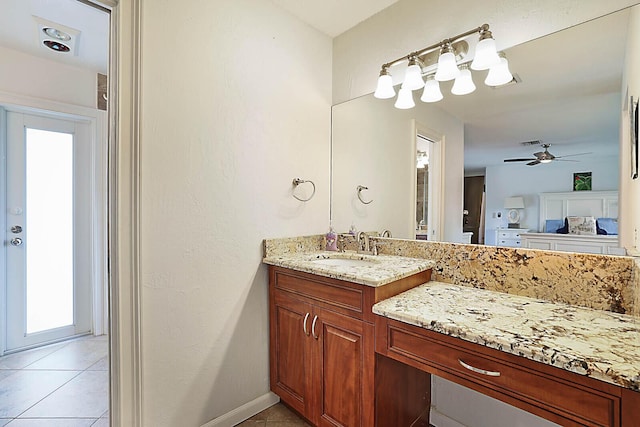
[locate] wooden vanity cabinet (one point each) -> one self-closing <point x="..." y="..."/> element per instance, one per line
<point x="322" y="350"/>
<point x="563" y="397"/>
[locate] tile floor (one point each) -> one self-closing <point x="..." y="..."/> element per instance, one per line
<point x="277" y="415"/>
<point x="60" y="385"/>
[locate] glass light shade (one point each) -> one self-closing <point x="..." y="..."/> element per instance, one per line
<point x="545" y="161"/>
<point x="405" y="99"/>
<point x="432" y="91"/>
<point x="486" y="55"/>
<point x="385" y="90"/>
<point x="447" y="68"/>
<point x="413" y="77"/>
<point x="499" y="74"/>
<point x="464" y="82"/>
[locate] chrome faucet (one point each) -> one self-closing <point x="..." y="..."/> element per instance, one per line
<point x="363" y="241"/>
<point x="385" y="233"/>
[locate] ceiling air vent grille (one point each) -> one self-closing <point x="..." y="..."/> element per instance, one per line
<point x="528" y="143"/>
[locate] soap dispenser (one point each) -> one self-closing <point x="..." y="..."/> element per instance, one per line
<point x="332" y="240"/>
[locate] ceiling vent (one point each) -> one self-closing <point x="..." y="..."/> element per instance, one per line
<point x="516" y="79"/>
<point x="528" y="143"/>
<point x="57" y="37"/>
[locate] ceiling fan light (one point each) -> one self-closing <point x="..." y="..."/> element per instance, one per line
<point x="431" y="91"/>
<point x="413" y="76"/>
<point x="464" y="82"/>
<point x="447" y="67"/>
<point x="405" y="99"/>
<point x="545" y="161"/>
<point x="385" y="89"/>
<point x="486" y="55"/>
<point x="499" y="74"/>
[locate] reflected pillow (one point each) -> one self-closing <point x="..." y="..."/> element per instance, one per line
<point x="552" y="225"/>
<point x="582" y="225"/>
<point x="610" y="225"/>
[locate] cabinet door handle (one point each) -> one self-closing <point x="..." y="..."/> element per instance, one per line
<point x="304" y="324"/>
<point x="479" y="371"/>
<point x="313" y="327"/>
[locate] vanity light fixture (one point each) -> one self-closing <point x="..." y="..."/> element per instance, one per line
<point x="444" y="61"/>
<point x="447" y="67"/>
<point x="431" y="91"/>
<point x="385" y="88"/>
<point x="464" y="82"/>
<point x="405" y="99"/>
<point x="499" y="74"/>
<point x="413" y="76"/>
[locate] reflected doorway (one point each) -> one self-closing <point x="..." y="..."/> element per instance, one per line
<point x="428" y="183"/>
<point x="473" y="213"/>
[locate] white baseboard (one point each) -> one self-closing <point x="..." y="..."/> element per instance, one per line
<point x="245" y="411"/>
<point x="438" y="419"/>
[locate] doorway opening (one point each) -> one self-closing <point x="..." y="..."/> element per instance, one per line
<point x="55" y="149"/>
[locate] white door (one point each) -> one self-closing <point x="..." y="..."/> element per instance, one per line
<point x="47" y="231"/>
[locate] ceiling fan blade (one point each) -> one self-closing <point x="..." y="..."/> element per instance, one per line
<point x="569" y="155"/>
<point x="563" y="160"/>
<point x="518" y="160"/>
<point x="535" y="162"/>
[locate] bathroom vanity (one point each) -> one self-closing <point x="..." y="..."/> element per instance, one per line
<point x="354" y="342"/>
<point x="322" y="333"/>
<point x="571" y="365"/>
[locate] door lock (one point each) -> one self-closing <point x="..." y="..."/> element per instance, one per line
<point x="16" y="229"/>
<point x="16" y="241"/>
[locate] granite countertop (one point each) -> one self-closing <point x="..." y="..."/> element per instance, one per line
<point x="596" y="343"/>
<point x="370" y="270"/>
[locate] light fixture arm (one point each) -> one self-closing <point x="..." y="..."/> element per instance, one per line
<point x="481" y="29"/>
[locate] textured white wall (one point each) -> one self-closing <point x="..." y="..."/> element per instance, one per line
<point x="520" y="180"/>
<point x="410" y="25"/>
<point x="25" y="74"/>
<point x="236" y="103"/>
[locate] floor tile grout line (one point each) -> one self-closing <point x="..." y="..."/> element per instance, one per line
<point x="49" y="394"/>
<point x="78" y="373"/>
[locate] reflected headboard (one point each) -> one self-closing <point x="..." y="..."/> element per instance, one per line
<point x="598" y="204"/>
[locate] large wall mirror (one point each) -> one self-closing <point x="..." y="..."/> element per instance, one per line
<point x="568" y="93"/>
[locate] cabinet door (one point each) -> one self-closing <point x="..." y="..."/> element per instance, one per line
<point x="290" y="351"/>
<point x="344" y="370"/>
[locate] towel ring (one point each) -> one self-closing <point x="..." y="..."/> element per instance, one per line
<point x="360" y="188"/>
<point x="298" y="181"/>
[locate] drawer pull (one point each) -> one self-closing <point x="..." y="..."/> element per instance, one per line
<point x="479" y="371"/>
<point x="313" y="327"/>
<point x="304" y="324"/>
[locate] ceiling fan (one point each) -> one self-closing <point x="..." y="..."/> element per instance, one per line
<point x="544" y="157"/>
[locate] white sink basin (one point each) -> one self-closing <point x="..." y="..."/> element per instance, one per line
<point x="345" y="262"/>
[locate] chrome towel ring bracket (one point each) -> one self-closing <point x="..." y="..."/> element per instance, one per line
<point x="298" y="181"/>
<point x="360" y="188"/>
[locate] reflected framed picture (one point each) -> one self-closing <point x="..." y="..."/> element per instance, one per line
<point x="582" y="181"/>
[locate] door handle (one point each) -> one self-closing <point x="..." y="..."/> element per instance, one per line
<point x="313" y="327"/>
<point x="16" y="241"/>
<point x="304" y="324"/>
<point x="15" y="229"/>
